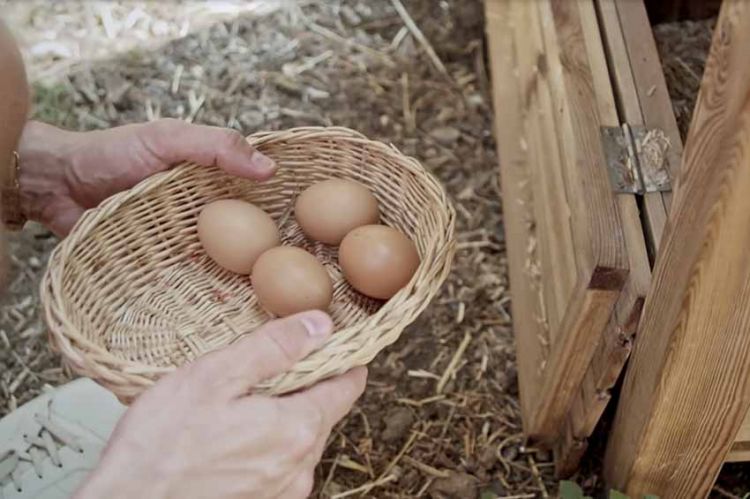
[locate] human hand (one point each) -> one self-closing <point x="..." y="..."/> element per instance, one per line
<point x="198" y="433"/>
<point x="64" y="173"/>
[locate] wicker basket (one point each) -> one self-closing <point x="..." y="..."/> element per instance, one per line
<point x="130" y="295"/>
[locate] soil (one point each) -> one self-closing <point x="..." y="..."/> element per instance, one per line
<point x="290" y="63"/>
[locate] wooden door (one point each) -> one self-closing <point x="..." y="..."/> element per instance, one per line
<point x="577" y="250"/>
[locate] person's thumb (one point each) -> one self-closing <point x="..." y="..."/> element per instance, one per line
<point x="272" y="349"/>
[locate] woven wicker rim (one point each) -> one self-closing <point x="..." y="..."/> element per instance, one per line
<point x="353" y="345"/>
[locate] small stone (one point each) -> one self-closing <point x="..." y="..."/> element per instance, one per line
<point x="398" y="422"/>
<point x="446" y="135"/>
<point x="488" y="458"/>
<point x="457" y="485"/>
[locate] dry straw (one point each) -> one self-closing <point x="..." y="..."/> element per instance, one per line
<point x="130" y="295"/>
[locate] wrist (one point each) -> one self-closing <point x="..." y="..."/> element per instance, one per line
<point x="118" y="483"/>
<point x="125" y="471"/>
<point x="44" y="156"/>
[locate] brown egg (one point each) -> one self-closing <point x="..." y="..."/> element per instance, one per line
<point x="235" y="233"/>
<point x="328" y="211"/>
<point x="288" y="280"/>
<point x="378" y="260"/>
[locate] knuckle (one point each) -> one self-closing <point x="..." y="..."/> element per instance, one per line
<point x="283" y="349"/>
<point x="306" y="439"/>
<point x="233" y="138"/>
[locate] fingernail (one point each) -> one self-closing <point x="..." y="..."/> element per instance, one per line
<point x="263" y="163"/>
<point x="317" y="324"/>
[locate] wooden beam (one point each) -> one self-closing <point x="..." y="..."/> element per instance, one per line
<point x="638" y="80"/>
<point x="687" y="387"/>
<point x="563" y="222"/>
<point x="531" y="332"/>
<point x="570" y="80"/>
<point x="615" y="344"/>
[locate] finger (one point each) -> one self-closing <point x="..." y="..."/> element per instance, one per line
<point x="64" y="218"/>
<point x="272" y="349"/>
<point x="174" y="141"/>
<point x="332" y="398"/>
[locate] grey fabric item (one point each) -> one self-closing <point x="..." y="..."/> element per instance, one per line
<point x="50" y="444"/>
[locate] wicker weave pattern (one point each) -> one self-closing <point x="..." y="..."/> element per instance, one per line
<point x="130" y="295"/>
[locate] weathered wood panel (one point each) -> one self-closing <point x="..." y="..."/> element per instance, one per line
<point x="532" y="336"/>
<point x="565" y="80"/>
<point x="548" y="141"/>
<point x="615" y="345"/>
<point x="687" y="389"/>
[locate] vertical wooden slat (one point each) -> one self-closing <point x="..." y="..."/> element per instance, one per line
<point x="687" y="388"/>
<point x="653" y="99"/>
<point x="547" y="166"/>
<point x="614" y="347"/>
<point x="598" y="233"/>
<point x="518" y="211"/>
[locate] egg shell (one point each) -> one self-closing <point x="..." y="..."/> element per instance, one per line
<point x="329" y="210"/>
<point x="288" y="280"/>
<point x="235" y="233"/>
<point x="378" y="260"/>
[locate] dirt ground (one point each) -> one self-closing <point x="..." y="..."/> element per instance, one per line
<point x="276" y="64"/>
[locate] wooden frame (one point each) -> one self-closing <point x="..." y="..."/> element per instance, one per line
<point x="560" y="217"/>
<point x="552" y="79"/>
<point x="686" y="392"/>
<point x="561" y="72"/>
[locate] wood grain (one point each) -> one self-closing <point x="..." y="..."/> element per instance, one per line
<point x="549" y="146"/>
<point x="589" y="191"/>
<point x="687" y="389"/>
<point x="547" y="167"/>
<point x="597" y="231"/>
<point x="518" y="210"/>
<point x="655" y="104"/>
<point x="615" y="344"/>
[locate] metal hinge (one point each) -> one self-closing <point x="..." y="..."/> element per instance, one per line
<point x="637" y="159"/>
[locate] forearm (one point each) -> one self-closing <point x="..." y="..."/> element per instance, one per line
<point x="14" y="108"/>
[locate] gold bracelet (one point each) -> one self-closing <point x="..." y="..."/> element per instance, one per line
<point x="10" y="197"/>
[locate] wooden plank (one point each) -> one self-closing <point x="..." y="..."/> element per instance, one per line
<point x="653" y="98"/>
<point x="547" y="164"/>
<point x="654" y="204"/>
<point x="576" y="236"/>
<point x="564" y="77"/>
<point x="568" y="452"/>
<point x="614" y="347"/>
<point x="598" y="234"/>
<point x="639" y="277"/>
<point x="518" y="214"/>
<point x="686" y="391"/>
